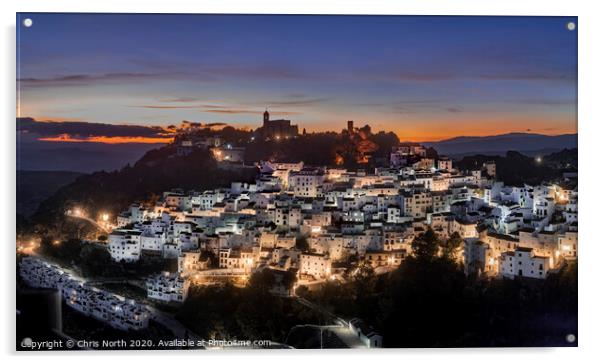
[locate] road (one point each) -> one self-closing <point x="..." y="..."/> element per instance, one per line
<point x="320" y="309"/>
<point x="340" y="329"/>
<point x="171" y="323"/>
<point x="163" y="318"/>
<point x="83" y="217"/>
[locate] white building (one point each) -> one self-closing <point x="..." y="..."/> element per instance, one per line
<point x="365" y="333"/>
<point x="315" y="265"/>
<point x="306" y="182"/>
<point x="116" y="311"/>
<point x="190" y="262"/>
<point x="444" y="164"/>
<point x="125" y="245"/>
<point x="523" y="263"/>
<point x="167" y="287"/>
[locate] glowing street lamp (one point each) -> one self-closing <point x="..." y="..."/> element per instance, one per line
<point x="104" y="217"/>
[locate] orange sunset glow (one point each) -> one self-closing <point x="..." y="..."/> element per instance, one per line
<point x="107" y="140"/>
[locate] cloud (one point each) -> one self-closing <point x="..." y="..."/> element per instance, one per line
<point x="224" y="71"/>
<point x="419" y="102"/>
<point x="86" y="79"/>
<point x="224" y="109"/>
<point x="82" y="129"/>
<point x="114" y="78"/>
<point x="454" y="109"/>
<point x="82" y="79"/>
<point x="398" y="109"/>
<point x="424" y="105"/>
<point x="547" y="102"/>
<point x="232" y="111"/>
<point x="66" y="138"/>
<point x="424" y="77"/>
<point x="167" y="107"/>
<point x="296" y="101"/>
<point x="181" y="99"/>
<point x="527" y="76"/>
<point x="256" y="72"/>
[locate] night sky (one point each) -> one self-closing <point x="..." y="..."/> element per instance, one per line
<point x="425" y="78"/>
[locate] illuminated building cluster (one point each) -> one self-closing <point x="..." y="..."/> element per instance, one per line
<point x="341" y="215"/>
<point x="118" y="312"/>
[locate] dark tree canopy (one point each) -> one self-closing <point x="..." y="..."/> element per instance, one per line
<point x="426" y="245"/>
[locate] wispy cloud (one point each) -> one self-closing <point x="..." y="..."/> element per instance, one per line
<point x="397" y="109"/>
<point x="454" y="109"/>
<point x="526" y="76"/>
<point x="424" y="105"/>
<point x="86" y="79"/>
<point x="424" y="77"/>
<point x="543" y="101"/>
<point x="167" y="107"/>
<point x="297" y="101"/>
<point x="181" y="99"/>
<point x="232" y="111"/>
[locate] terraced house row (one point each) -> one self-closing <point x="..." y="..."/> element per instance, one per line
<point x="118" y="312"/>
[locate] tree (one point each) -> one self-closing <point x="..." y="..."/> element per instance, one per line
<point x="426" y="245"/>
<point x="213" y="259"/>
<point x="432" y="153"/>
<point x="301" y="243"/>
<point x="302" y="291"/>
<point x="262" y="280"/>
<point x="96" y="261"/>
<point x="452" y="245"/>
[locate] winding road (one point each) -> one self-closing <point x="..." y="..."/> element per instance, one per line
<point x="83" y="217"/>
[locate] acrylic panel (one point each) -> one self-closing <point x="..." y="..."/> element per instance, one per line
<point x="205" y="181"/>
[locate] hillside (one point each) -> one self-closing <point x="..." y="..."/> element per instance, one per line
<point x="159" y="170"/>
<point x="515" y="168"/>
<point x="34" y="187"/>
<point x="78" y="157"/>
<point x="525" y="143"/>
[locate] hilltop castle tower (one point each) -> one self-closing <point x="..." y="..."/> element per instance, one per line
<point x="277" y="129"/>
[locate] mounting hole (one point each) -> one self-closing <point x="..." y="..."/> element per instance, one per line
<point x="571" y="26"/>
<point x="570" y="338"/>
<point x="27" y="22"/>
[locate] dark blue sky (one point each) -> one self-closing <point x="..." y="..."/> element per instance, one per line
<point x="422" y="77"/>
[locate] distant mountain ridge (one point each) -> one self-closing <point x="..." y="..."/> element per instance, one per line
<point x="497" y="144"/>
<point x="33" y="187"/>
